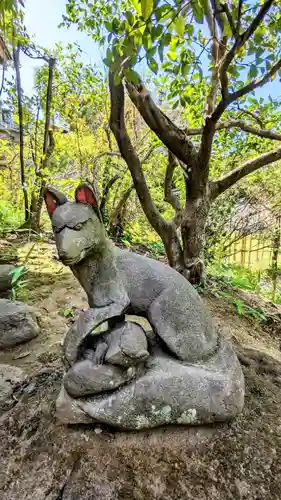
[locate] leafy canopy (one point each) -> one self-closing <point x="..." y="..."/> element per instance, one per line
<point x="174" y="37"/>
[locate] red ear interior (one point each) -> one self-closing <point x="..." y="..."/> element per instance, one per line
<point x="85" y="195"/>
<point x="50" y="202"/>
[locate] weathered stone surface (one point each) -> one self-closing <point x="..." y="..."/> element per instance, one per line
<point x="5" y="277"/>
<point x="85" y="378"/>
<point x="127" y="345"/>
<point x="18" y="323"/>
<point x="170" y="392"/>
<point x="9" y="376"/>
<point x="86" y="323"/>
<point x="195" y="381"/>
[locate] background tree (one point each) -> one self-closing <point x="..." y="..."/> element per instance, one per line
<point x="209" y="50"/>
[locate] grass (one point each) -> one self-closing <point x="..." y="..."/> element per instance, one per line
<point x="11" y="217"/>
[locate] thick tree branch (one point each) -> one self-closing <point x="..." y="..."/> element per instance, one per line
<point x="174" y="138"/>
<point x="128" y="152"/>
<point x="220" y="185"/>
<point x="211" y="21"/>
<point x="169" y="196"/>
<point x="245" y="126"/>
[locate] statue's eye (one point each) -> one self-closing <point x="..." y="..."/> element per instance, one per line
<point x="78" y="226"/>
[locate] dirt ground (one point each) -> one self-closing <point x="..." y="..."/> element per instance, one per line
<point x="42" y="459"/>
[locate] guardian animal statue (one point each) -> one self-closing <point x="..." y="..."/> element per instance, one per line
<point x="183" y="373"/>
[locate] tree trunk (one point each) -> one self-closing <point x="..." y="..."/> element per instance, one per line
<point x="173" y="249"/>
<point x="48" y="144"/>
<point x="193" y="238"/>
<point x="16" y="58"/>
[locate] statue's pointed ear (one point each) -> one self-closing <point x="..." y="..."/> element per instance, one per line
<point x="85" y="194"/>
<point x="53" y="199"/>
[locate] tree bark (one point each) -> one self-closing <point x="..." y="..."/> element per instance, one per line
<point x="48" y="146"/>
<point x="193" y="237"/>
<point x="16" y="58"/>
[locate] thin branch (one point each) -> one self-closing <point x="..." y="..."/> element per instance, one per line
<point x="220" y="185"/>
<point x="240" y="41"/>
<point x="105" y="193"/>
<point x="101" y="155"/>
<point x="173" y="137"/>
<point x="2" y="80"/>
<point x="147" y="154"/>
<point x="259" y="82"/>
<point x="169" y="196"/>
<point x="254" y="116"/>
<point x="245" y="126"/>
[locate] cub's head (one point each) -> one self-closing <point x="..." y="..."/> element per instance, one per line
<point x="77" y="225"/>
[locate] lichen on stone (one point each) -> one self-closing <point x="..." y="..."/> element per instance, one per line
<point x="188" y="417"/>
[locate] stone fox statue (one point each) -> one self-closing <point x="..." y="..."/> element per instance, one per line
<point x="120" y="281"/>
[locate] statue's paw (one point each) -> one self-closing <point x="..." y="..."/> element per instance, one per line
<point x="100" y="352"/>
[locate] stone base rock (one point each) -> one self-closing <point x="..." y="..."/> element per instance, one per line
<point x="18" y="323"/>
<point x="169" y="392"/>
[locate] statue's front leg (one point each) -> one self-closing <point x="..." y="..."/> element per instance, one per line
<point x="85" y="324"/>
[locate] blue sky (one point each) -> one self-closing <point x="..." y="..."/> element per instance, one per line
<point x="42" y="18"/>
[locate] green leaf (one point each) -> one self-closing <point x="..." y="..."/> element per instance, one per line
<point x="185" y="68"/>
<point x="156" y="31"/>
<point x="132" y="76"/>
<point x="227" y="29"/>
<point x="17" y="273"/>
<point x="147" y="42"/>
<point x="117" y="79"/>
<point x="172" y="55"/>
<point x="205" y="5"/>
<point x="130" y="17"/>
<point x="179" y="25"/>
<point x="161" y="52"/>
<point x="151" y="52"/>
<point x="253" y="71"/>
<point x="146" y="8"/>
<point x="198" y="12"/>
<point x="152" y="65"/>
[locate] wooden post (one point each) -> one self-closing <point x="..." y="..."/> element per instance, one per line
<point x="243" y="250"/>
<point x="250" y="250"/>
